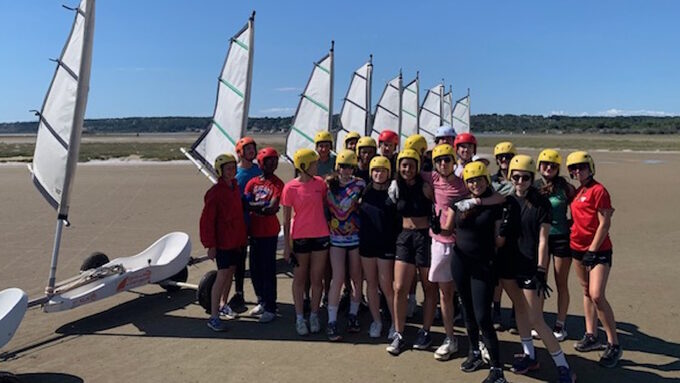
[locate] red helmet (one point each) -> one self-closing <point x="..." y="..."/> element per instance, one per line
<point x="389" y="136"/>
<point x="266" y="153"/>
<point x="465" y="138"/>
<point x="242" y="143"/>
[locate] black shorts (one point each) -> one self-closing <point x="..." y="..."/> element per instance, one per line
<point x="307" y="245"/>
<point x="558" y="246"/>
<point x="602" y="257"/>
<point x="413" y="246"/>
<point x="228" y="258"/>
<point x="375" y="251"/>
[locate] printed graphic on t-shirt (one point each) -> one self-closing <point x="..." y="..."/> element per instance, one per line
<point x="344" y="209"/>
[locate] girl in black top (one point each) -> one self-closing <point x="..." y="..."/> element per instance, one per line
<point x="473" y="268"/>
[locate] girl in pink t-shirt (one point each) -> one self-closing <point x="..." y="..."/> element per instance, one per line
<point x="307" y="237"/>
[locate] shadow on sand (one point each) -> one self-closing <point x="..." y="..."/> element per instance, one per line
<point x="40" y="377"/>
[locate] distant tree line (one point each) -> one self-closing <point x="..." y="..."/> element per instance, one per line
<point x="490" y="123"/>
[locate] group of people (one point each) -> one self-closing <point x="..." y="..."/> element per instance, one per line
<point x="392" y="218"/>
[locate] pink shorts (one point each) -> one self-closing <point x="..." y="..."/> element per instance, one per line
<point x="440" y="265"/>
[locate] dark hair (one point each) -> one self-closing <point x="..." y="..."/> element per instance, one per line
<point x="333" y="182"/>
<point x="549" y="187"/>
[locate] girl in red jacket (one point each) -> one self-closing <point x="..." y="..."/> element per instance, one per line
<point x="223" y="231"/>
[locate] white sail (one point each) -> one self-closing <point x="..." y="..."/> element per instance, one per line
<point x="61" y="122"/>
<point x="315" y="109"/>
<point x="410" y="108"/>
<point x="355" y="116"/>
<point x="431" y="112"/>
<point x="230" y="117"/>
<point x="461" y="115"/>
<point x="388" y="110"/>
<point x="447" y="108"/>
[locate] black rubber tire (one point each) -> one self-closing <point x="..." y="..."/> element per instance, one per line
<point x="181" y="276"/>
<point x="8" y="377"/>
<point x="205" y="288"/>
<point x="94" y="260"/>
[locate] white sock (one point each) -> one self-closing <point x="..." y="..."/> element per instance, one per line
<point x="354" y="308"/>
<point x="528" y="347"/>
<point x="332" y="313"/>
<point x="299" y="317"/>
<point x="560" y="359"/>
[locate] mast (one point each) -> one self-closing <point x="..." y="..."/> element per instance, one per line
<point x="418" y="99"/>
<point x="249" y="78"/>
<point x="369" y="81"/>
<point x="330" y="98"/>
<point x="401" y="101"/>
<point x="441" y="103"/>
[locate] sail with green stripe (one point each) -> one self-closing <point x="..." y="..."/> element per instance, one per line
<point x="230" y="117"/>
<point x="409" y="109"/>
<point x="355" y="115"/>
<point x="431" y="112"/>
<point x="461" y="115"/>
<point x="315" y="109"/>
<point x="388" y="110"/>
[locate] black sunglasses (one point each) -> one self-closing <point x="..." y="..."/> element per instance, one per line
<point x="582" y="166"/>
<point x="446" y="159"/>
<point x="521" y="178"/>
<point x="345" y="166"/>
<point x="506" y="157"/>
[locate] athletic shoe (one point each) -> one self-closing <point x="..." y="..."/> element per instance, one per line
<point x="397" y="346"/>
<point x="560" y="333"/>
<point x="237" y="303"/>
<point x="375" y="330"/>
<point x="314" y="325"/>
<point x="447" y="349"/>
<point x="534" y="334"/>
<point x="473" y="362"/>
<point x="391" y="333"/>
<point x="495" y="376"/>
<point x="216" y="324"/>
<point x="301" y="327"/>
<point x="611" y="356"/>
<point x="266" y="317"/>
<point x="423" y="340"/>
<point x="484" y="352"/>
<point x="257" y="310"/>
<point x="589" y="342"/>
<point x="411" y="308"/>
<point x="564" y="375"/>
<point x="353" y="325"/>
<point x="332" y="332"/>
<point x="523" y="364"/>
<point x="227" y="312"/>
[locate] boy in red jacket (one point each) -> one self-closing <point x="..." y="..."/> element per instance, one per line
<point x="223" y="231"/>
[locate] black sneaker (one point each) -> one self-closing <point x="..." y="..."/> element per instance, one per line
<point x="589" y="342"/>
<point x="237" y="303"/>
<point x="353" y="324"/>
<point x="523" y="364"/>
<point x="473" y="362"/>
<point x="423" y="340"/>
<point x="610" y="357"/>
<point x="332" y="332"/>
<point x="397" y="346"/>
<point x="495" y="376"/>
<point x="564" y="375"/>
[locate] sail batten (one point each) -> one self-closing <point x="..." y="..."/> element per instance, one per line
<point x="388" y="110"/>
<point x="230" y="116"/>
<point x="354" y="115"/>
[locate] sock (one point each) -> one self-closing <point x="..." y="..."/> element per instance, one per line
<point x="528" y="347"/>
<point x="560" y="360"/>
<point x="354" y="308"/>
<point x="332" y="313"/>
<point x="299" y="317"/>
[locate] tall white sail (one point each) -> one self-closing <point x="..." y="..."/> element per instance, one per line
<point x="388" y="110"/>
<point x="315" y="109"/>
<point x="61" y="121"/>
<point x="230" y="117"/>
<point x="431" y="112"/>
<point x="461" y="115"/>
<point x="447" y="108"/>
<point x="410" y="109"/>
<point x="355" y="114"/>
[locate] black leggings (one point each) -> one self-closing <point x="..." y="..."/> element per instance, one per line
<point x="476" y="286"/>
<point x="240" y="273"/>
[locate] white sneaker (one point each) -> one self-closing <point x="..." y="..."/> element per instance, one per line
<point x="228" y="313"/>
<point x="314" y="325"/>
<point x="301" y="327"/>
<point x="560" y="333"/>
<point x="257" y="310"/>
<point x="266" y="317"/>
<point x="486" y="357"/>
<point x="534" y="334"/>
<point x="375" y="330"/>
<point x="391" y="333"/>
<point x="448" y="348"/>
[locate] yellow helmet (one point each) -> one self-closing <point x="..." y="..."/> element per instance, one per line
<point x="476" y="169"/>
<point x="303" y="158"/>
<point x="523" y="163"/>
<point x="366" y="142"/>
<point x="581" y="157"/>
<point x="417" y="143"/>
<point x="443" y="150"/>
<point x="323" y="136"/>
<point x="221" y="160"/>
<point x="549" y="155"/>
<point x="380" y="162"/>
<point x="505" y="147"/>
<point x="409" y="153"/>
<point x="351" y="136"/>
<point x="346" y="157"/>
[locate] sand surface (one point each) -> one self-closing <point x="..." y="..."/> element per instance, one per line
<point x="152" y="336"/>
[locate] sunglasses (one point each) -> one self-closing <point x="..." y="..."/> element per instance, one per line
<point x="345" y="166"/>
<point x="521" y="178"/>
<point x="504" y="157"/>
<point x="550" y="165"/>
<point x="445" y="159"/>
<point x="582" y="166"/>
<point x="475" y="180"/>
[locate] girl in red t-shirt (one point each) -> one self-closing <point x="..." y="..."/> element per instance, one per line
<point x="591" y="247"/>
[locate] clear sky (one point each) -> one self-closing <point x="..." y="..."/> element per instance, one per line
<point x="162" y="58"/>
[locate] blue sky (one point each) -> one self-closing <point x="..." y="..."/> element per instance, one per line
<point x="162" y="58"/>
